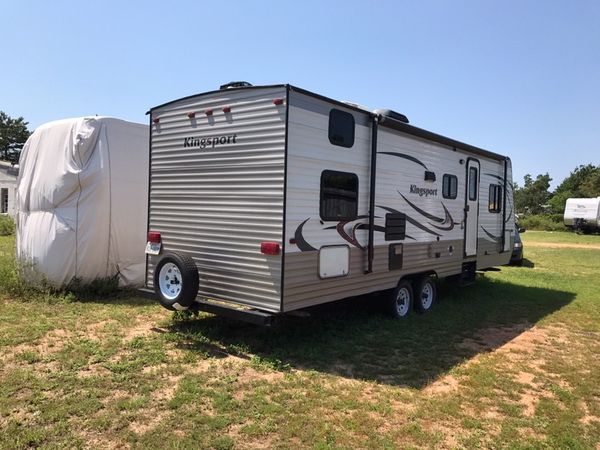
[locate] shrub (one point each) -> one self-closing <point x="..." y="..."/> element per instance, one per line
<point x="7" y="225"/>
<point x="542" y="222"/>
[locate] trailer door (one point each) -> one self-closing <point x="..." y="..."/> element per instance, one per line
<point x="471" y="207"/>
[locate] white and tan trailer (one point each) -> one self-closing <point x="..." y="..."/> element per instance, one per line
<point x="274" y="199"/>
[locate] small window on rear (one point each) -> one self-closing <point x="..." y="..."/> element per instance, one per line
<point x="341" y="128"/>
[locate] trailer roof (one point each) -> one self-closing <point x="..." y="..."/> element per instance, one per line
<point x="385" y="121"/>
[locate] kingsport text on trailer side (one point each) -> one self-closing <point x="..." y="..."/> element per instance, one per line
<point x="274" y="199"/>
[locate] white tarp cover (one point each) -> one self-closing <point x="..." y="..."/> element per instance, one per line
<point x="82" y="199"/>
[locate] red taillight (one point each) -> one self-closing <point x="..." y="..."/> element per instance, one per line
<point x="278" y="101"/>
<point x="154" y="237"/>
<point x="191" y="114"/>
<point x="227" y="109"/>
<point x="270" y="248"/>
<point x="208" y="112"/>
<point x="156" y="120"/>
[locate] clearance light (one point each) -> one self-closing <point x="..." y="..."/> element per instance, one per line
<point x="156" y="120"/>
<point x="270" y="248"/>
<point x="227" y="109"/>
<point x="191" y="114"/>
<point x="154" y="237"/>
<point x="208" y="112"/>
<point x="278" y="101"/>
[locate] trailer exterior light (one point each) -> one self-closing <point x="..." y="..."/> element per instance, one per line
<point x="156" y="120"/>
<point x="191" y="114"/>
<point x="226" y="109"/>
<point x="278" y="101"/>
<point x="270" y="248"/>
<point x="154" y="237"/>
<point x="208" y="112"/>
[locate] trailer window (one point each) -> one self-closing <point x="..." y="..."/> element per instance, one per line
<point x="473" y="183"/>
<point x="339" y="195"/>
<point x="495" y="203"/>
<point x="449" y="186"/>
<point x="341" y="128"/>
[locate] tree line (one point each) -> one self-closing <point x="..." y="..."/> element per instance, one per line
<point x="13" y="134"/>
<point x="535" y="196"/>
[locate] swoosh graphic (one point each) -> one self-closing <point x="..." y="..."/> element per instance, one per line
<point x="497" y="177"/>
<point x="380" y="229"/>
<point x="300" y="241"/>
<point x="424" y="213"/>
<point x="448" y="216"/>
<point x="410" y="220"/>
<point x="402" y="155"/>
<point x="342" y="232"/>
<point x="494" y="238"/>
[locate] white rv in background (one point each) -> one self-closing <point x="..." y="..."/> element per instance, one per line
<point x="582" y="213"/>
<point x="273" y="199"/>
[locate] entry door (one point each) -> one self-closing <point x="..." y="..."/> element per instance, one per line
<point x="472" y="207"/>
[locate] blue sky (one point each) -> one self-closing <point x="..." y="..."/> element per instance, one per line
<point x="521" y="78"/>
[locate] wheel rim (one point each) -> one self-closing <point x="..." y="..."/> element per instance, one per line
<point x="427" y="296"/>
<point x="402" y="301"/>
<point x="170" y="281"/>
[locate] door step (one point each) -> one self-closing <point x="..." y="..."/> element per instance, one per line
<point x="467" y="276"/>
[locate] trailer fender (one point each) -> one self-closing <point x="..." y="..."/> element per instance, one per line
<point x="176" y="281"/>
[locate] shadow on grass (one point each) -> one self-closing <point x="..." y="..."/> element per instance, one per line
<point x="353" y="338"/>
<point x="528" y="263"/>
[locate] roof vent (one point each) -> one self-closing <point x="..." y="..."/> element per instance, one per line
<point x="389" y="114"/>
<point x="355" y="105"/>
<point x="235" y="84"/>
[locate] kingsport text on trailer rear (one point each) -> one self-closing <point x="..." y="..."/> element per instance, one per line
<point x="274" y="199"/>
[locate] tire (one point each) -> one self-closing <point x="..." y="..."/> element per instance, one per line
<point x="176" y="281"/>
<point x="425" y="294"/>
<point x="399" y="300"/>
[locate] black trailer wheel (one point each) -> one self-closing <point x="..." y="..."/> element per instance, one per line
<point x="176" y="281"/>
<point x="399" y="300"/>
<point x="425" y="294"/>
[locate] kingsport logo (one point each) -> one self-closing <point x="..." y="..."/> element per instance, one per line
<point x="209" y="141"/>
<point x="414" y="189"/>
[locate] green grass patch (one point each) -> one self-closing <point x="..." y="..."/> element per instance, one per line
<point x="560" y="237"/>
<point x="510" y="362"/>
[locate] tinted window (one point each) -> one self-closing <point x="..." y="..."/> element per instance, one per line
<point x="341" y="128"/>
<point x="495" y="203"/>
<point x="449" y="186"/>
<point x="339" y="195"/>
<point x="473" y="183"/>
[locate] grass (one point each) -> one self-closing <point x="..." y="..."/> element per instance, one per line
<point x="510" y="362"/>
<point x="567" y="237"/>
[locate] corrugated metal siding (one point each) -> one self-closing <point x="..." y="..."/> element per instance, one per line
<point x="218" y="204"/>
<point x="304" y="288"/>
<point x="489" y="230"/>
<point x="309" y="153"/>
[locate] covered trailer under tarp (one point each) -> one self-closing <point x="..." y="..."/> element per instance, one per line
<point x="82" y="197"/>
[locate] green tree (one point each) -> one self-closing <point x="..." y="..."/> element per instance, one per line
<point x="533" y="197"/>
<point x="591" y="186"/>
<point x="13" y="134"/>
<point x="584" y="181"/>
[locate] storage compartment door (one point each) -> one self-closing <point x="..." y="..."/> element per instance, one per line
<point x="334" y="261"/>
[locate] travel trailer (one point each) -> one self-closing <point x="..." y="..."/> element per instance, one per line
<point x="81" y="202"/>
<point x="582" y="213"/>
<point x="264" y="200"/>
